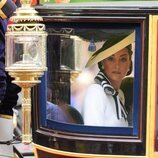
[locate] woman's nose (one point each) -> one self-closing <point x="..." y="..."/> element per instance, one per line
<point x="116" y="64"/>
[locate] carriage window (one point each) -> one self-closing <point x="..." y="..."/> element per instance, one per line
<point x="91" y="91"/>
<point x="69" y="78"/>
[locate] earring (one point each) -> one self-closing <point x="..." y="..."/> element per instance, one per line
<point x="102" y="67"/>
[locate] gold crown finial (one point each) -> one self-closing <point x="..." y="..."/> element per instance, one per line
<point x="26" y="2"/>
<point x="26" y="13"/>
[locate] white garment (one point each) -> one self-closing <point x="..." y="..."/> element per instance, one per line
<point x="6" y="134"/>
<point x="99" y="108"/>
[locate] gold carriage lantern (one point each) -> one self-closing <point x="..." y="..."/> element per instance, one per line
<point x="26" y="57"/>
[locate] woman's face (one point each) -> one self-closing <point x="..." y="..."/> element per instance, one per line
<point x="117" y="65"/>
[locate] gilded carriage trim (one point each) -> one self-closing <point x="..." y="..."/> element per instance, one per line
<point x="2" y="3"/>
<point x="47" y="150"/>
<point x="151" y="100"/>
<point x="2" y="14"/>
<point x="6" y="116"/>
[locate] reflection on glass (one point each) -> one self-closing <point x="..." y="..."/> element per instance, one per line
<point x="28" y="48"/>
<point x="58" y="108"/>
<point x="67" y="54"/>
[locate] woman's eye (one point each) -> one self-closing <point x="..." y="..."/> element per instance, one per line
<point x="123" y="59"/>
<point x="110" y="58"/>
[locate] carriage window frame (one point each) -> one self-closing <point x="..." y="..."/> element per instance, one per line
<point x="101" y="133"/>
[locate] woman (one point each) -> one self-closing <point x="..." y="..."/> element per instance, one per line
<point x="104" y="101"/>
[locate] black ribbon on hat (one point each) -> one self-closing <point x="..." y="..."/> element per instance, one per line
<point x="109" y="90"/>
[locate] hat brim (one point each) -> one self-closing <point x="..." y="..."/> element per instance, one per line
<point x="99" y="56"/>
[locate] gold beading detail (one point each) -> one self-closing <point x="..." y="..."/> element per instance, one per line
<point x="26" y="27"/>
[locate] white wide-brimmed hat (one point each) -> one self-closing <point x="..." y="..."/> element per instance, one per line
<point x="111" y="46"/>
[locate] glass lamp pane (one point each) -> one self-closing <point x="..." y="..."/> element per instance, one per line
<point x="24" y="51"/>
<point x="70" y="53"/>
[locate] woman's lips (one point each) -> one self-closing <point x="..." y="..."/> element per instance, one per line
<point x="116" y="72"/>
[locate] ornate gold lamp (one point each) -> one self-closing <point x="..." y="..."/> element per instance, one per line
<point x="26" y="57"/>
